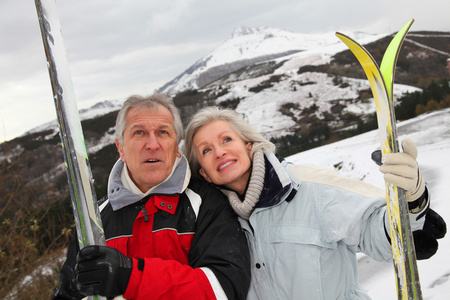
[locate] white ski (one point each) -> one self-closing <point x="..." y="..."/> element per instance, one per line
<point x="84" y="201"/>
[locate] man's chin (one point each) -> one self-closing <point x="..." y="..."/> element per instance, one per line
<point x="155" y="180"/>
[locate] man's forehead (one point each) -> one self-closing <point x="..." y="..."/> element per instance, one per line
<point x="140" y="115"/>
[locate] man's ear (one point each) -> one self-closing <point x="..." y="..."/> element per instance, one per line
<point x="120" y="149"/>
<point x="203" y="173"/>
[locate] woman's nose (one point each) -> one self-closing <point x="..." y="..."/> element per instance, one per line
<point x="219" y="152"/>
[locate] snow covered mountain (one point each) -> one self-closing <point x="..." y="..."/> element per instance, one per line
<point x="249" y="46"/>
<point x="273" y="69"/>
<point x="96" y="110"/>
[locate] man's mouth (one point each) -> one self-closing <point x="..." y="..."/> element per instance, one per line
<point x="226" y="165"/>
<point x="152" y="160"/>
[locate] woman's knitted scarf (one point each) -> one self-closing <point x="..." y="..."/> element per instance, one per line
<point x="244" y="208"/>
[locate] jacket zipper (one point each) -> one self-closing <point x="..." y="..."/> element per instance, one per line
<point x="144" y="211"/>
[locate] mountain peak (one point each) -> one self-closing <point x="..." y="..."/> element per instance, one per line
<point x="247" y="46"/>
<point x="244" y="30"/>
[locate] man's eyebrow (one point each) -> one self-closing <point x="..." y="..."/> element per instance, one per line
<point x="134" y="126"/>
<point x="164" y="126"/>
<point x="167" y="127"/>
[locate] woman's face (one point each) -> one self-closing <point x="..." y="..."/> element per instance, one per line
<point x="223" y="156"/>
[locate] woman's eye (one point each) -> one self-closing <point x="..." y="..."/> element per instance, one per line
<point x="206" y="150"/>
<point x="227" y="140"/>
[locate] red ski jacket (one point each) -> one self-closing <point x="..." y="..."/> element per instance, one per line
<point x="191" y="243"/>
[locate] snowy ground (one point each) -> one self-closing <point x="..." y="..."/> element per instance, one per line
<point x="431" y="133"/>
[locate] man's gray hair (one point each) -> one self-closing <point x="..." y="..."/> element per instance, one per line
<point x="145" y="103"/>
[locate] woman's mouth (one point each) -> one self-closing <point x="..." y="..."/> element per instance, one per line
<point x="221" y="167"/>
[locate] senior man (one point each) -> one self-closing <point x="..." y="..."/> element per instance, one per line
<point x="169" y="236"/>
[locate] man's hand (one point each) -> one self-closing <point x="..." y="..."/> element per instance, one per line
<point x="402" y="170"/>
<point x="102" y="270"/>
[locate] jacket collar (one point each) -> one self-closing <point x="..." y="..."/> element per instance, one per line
<point x="175" y="184"/>
<point x="277" y="182"/>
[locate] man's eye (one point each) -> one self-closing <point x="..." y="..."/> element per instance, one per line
<point x="138" y="132"/>
<point x="163" y="132"/>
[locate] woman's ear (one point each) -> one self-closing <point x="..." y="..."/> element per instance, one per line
<point x="203" y="173"/>
<point x="249" y="147"/>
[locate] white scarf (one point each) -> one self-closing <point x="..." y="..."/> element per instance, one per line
<point x="245" y="208"/>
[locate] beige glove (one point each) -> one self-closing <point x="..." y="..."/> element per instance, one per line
<point x="402" y="170"/>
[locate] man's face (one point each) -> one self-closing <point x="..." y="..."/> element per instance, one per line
<point x="149" y="146"/>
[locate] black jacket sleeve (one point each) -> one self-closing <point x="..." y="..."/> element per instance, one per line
<point x="219" y="242"/>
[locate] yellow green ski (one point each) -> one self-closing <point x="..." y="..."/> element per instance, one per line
<point x="381" y="81"/>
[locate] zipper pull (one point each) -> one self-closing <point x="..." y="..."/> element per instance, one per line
<point x="144" y="211"/>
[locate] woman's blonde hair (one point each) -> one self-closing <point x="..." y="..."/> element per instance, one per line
<point x="209" y="114"/>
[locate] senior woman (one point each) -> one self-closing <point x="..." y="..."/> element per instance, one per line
<point x="304" y="224"/>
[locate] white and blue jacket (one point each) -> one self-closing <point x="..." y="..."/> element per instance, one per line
<point x="306" y="229"/>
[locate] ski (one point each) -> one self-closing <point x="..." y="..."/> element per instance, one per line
<point x="84" y="201"/>
<point x="381" y="81"/>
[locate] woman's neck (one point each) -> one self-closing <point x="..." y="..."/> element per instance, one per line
<point x="244" y="206"/>
<point x="240" y="186"/>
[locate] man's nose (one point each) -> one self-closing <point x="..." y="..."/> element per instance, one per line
<point x="152" y="142"/>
